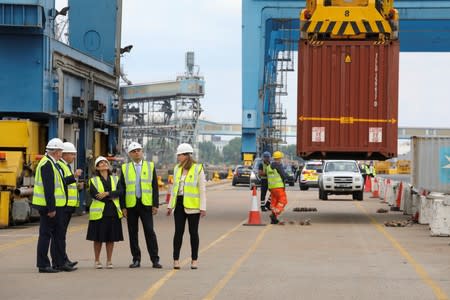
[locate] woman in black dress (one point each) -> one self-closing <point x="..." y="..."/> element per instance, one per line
<point x="105" y="215"/>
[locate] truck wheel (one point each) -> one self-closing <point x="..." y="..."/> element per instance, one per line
<point x="358" y="196"/>
<point x="323" y="195"/>
<point x="303" y="187"/>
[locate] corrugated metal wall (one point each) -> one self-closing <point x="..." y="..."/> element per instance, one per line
<point x="348" y="100"/>
<point x="431" y="163"/>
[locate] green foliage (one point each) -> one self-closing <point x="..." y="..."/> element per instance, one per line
<point x="209" y="153"/>
<point x="232" y="152"/>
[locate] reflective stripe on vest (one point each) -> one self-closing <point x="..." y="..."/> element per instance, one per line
<point x="191" y="195"/>
<point x="273" y="178"/>
<point x="97" y="207"/>
<point x="38" y="190"/>
<point x="72" y="191"/>
<point x="129" y="174"/>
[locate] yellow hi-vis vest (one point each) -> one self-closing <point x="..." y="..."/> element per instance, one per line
<point x="274" y="179"/>
<point x="72" y="190"/>
<point x="97" y="207"/>
<point x="38" y="190"/>
<point x="129" y="174"/>
<point x="264" y="165"/>
<point x="191" y="196"/>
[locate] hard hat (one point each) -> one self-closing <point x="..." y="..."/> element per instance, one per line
<point x="278" y="154"/>
<point x="266" y="154"/>
<point x="69" y="148"/>
<point x="134" y="146"/>
<point x="99" y="159"/>
<point x="55" y="144"/>
<point x="184" y="148"/>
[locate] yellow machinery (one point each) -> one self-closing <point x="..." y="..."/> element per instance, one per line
<point x="19" y="154"/>
<point x="404" y="166"/>
<point x="248" y="159"/>
<point x="352" y="19"/>
<point x="382" y="167"/>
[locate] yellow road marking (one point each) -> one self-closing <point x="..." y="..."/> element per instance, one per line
<point x="157" y="285"/>
<point x="216" y="290"/>
<point x="438" y="292"/>
<point x="34" y="238"/>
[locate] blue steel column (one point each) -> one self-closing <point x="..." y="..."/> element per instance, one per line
<point x="254" y="34"/>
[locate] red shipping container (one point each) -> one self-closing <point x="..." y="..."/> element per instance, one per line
<point x="347" y="100"/>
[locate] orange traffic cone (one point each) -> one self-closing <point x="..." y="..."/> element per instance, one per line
<point x="376" y="189"/>
<point x="254" y="215"/>
<point x="368" y="184"/>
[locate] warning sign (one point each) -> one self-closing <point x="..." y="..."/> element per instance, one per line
<point x="375" y="135"/>
<point x="318" y="134"/>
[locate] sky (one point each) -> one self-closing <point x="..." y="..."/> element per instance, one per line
<point x="162" y="31"/>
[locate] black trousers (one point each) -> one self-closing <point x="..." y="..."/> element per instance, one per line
<point x="146" y="216"/>
<point x="264" y="188"/>
<point x="63" y="217"/>
<point x="180" y="217"/>
<point x="49" y="230"/>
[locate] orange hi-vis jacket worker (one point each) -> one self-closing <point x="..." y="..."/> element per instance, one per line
<point x="276" y="177"/>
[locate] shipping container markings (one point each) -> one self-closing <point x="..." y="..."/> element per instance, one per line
<point x="348" y="120"/>
<point x="420" y="270"/>
<point x="341" y="28"/>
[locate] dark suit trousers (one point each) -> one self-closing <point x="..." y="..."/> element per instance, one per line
<point x="47" y="232"/>
<point x="63" y="216"/>
<point x="146" y="216"/>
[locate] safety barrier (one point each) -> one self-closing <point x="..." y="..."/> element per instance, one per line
<point x="424" y="207"/>
<point x="440" y="219"/>
<point x="254" y="215"/>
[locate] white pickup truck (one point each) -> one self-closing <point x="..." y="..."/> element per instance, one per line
<point x="341" y="177"/>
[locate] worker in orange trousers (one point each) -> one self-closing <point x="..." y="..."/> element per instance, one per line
<point x="276" y="177"/>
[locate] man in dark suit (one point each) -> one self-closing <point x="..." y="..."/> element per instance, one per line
<point x="48" y="195"/>
<point x="140" y="200"/>
<point x="71" y="188"/>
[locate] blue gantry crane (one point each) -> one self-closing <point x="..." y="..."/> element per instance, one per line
<point x="51" y="89"/>
<point x="270" y="32"/>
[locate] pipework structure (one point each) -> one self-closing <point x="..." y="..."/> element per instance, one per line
<point x="162" y="115"/>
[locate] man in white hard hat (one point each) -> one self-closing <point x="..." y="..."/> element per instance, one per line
<point x="48" y="195"/>
<point x="71" y="188"/>
<point x="140" y="200"/>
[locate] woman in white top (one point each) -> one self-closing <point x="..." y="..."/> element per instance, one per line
<point x="188" y="200"/>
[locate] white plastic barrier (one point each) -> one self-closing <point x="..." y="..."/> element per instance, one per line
<point x="382" y="183"/>
<point x="406" y="198"/>
<point x="426" y="210"/>
<point x="391" y="195"/>
<point x="440" y="220"/>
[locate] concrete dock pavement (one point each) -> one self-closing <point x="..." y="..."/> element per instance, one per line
<point x="346" y="253"/>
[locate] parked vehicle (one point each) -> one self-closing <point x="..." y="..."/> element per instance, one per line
<point x="291" y="176"/>
<point x="309" y="176"/>
<point x="241" y="175"/>
<point x="255" y="180"/>
<point x="341" y="177"/>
